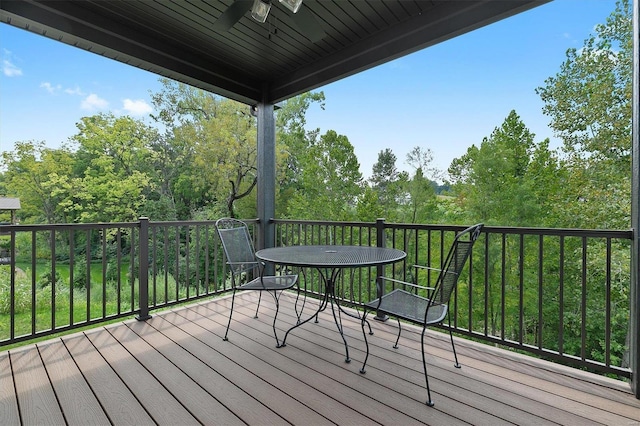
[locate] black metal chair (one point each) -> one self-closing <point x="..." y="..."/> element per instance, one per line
<point x="431" y="307"/>
<point x="238" y="248"/>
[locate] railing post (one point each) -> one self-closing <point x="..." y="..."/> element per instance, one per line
<point x="143" y="269"/>
<point x="380" y="242"/>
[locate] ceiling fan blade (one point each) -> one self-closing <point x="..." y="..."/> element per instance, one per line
<point x="308" y="24"/>
<point x="233" y="14"/>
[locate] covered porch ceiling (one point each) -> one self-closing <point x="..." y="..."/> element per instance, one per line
<point x="217" y="46"/>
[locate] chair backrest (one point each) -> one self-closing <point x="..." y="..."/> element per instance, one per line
<point x="454" y="263"/>
<point x="237" y="245"/>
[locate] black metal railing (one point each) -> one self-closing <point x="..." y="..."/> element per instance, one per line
<point x="60" y="277"/>
<point x="558" y="293"/>
<point x="562" y="294"/>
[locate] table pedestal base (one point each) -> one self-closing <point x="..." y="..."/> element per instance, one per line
<point x="329" y="278"/>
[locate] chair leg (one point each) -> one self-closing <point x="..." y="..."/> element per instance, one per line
<point x="424" y="365"/>
<point x="304" y="299"/>
<point x="275" y="316"/>
<point x="258" y="307"/>
<point x="453" y="346"/>
<point x="366" y="342"/>
<point x="395" y="346"/>
<point x="369" y="325"/>
<point x="233" y="299"/>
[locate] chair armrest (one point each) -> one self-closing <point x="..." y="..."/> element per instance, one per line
<point x="407" y="283"/>
<point x="242" y="263"/>
<point x="434" y="269"/>
<point x="426" y="267"/>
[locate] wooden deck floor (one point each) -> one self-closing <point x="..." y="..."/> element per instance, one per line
<point x="175" y="369"/>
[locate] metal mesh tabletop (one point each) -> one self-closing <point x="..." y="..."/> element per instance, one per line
<point x="331" y="256"/>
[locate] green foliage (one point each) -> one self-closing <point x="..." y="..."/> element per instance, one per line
<point x="422" y="204"/>
<point x="213" y="142"/>
<point x="111" y="178"/>
<point x="501" y="182"/>
<point x="589" y="104"/>
<point x="387" y="183"/>
<point x="329" y="182"/>
<point x="39" y="176"/>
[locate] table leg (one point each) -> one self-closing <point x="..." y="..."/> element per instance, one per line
<point x="321" y="307"/>
<point x="329" y="278"/>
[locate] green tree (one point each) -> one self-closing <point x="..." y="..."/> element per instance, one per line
<point x="111" y="169"/>
<point x="40" y="177"/>
<point x="293" y="144"/>
<point x="494" y="182"/>
<point x="330" y="180"/>
<point x="589" y="104"/>
<point x="388" y="183"/>
<point x="214" y="140"/>
<point x="422" y="202"/>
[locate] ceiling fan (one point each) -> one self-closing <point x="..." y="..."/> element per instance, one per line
<point x="302" y="18"/>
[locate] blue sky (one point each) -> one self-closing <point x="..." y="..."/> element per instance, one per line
<point x="444" y="98"/>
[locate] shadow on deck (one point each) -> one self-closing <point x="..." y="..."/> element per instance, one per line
<point x="175" y="369"/>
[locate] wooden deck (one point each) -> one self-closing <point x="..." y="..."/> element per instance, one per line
<point x="175" y="369"/>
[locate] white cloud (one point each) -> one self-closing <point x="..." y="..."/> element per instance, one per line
<point x="9" y="69"/>
<point x="137" y="107"/>
<point x="75" y="91"/>
<point x="93" y="101"/>
<point x="50" y="87"/>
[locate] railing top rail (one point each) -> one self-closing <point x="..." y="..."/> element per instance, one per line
<point x="67" y="226"/>
<point x="182" y="223"/>
<point x="321" y="222"/>
<point x="567" y="232"/>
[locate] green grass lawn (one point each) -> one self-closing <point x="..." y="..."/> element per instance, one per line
<point x="35" y="312"/>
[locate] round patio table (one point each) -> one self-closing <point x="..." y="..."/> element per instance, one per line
<point x="330" y="261"/>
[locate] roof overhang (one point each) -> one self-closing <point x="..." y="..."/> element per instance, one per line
<point x="255" y="62"/>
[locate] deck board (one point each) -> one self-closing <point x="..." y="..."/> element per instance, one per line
<point x="157" y="401"/>
<point x="242" y="379"/>
<point x="36" y="399"/>
<point x="76" y="400"/>
<point x="116" y="399"/>
<point x="8" y="402"/>
<point x="175" y="369"/>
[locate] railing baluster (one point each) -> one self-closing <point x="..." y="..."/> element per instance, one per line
<point x="33" y="280"/>
<point x="503" y="285"/>
<point x="52" y="236"/>
<point x="119" y="271"/>
<point x="488" y="318"/>
<point x="72" y="250"/>
<point x="87" y="263"/>
<point x="104" y="272"/>
<point x="607" y="326"/>
<point x="540" y="290"/>
<point x="521" y="331"/>
<point x="583" y="307"/>
<point x="561" y="299"/>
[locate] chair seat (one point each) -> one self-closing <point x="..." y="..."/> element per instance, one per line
<point x="276" y="282"/>
<point x="408" y="306"/>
